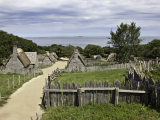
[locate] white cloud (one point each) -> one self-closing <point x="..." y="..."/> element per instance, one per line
<point x="67" y="16"/>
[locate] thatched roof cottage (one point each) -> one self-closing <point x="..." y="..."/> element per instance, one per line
<point x="48" y="60"/>
<point x="99" y="57"/>
<point x="111" y="57"/>
<point x="33" y="58"/>
<point x="54" y="56"/>
<point x="18" y="59"/>
<point x="76" y="62"/>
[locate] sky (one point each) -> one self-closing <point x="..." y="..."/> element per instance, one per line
<point x="49" y="18"/>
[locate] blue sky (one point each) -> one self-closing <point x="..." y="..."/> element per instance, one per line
<point x="46" y="18"/>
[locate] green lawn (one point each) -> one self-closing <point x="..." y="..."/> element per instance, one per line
<point x="104" y="111"/>
<point x="4" y="83"/>
<point x="80" y="77"/>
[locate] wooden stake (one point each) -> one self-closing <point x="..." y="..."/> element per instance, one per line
<point x="0" y="96"/>
<point x="24" y="77"/>
<point x="8" y="84"/>
<point x="19" y="80"/>
<point x="28" y="75"/>
<point x="13" y="81"/>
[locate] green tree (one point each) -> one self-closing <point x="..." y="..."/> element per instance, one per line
<point x="91" y="50"/>
<point x="6" y="44"/>
<point x="153" y="49"/>
<point x="124" y="39"/>
<point x="108" y="50"/>
<point x="67" y="51"/>
<point x="8" y="40"/>
<point x="80" y="49"/>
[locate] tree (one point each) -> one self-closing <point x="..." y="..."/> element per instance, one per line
<point x="80" y="49"/>
<point x="153" y="49"/>
<point x="91" y="50"/>
<point x="67" y="51"/>
<point x="124" y="41"/>
<point x="108" y="50"/>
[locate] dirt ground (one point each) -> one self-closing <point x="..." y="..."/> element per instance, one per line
<point x="25" y="102"/>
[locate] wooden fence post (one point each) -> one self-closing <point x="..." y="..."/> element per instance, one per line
<point x="0" y="96"/>
<point x="116" y="96"/>
<point x="24" y="77"/>
<point x="8" y="84"/>
<point x="79" y="91"/>
<point x="146" y="94"/>
<point x="13" y="81"/>
<point x="49" y="80"/>
<point x="19" y="80"/>
<point x="48" y="98"/>
<point x="31" y="74"/>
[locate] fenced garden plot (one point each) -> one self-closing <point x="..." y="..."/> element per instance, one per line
<point x="9" y="83"/>
<point x="80" y="77"/>
<point x="104" y="110"/>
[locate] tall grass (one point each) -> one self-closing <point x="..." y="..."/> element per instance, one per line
<point x="4" y="84"/>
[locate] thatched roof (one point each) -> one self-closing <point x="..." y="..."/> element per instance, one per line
<point x="32" y="57"/>
<point x="111" y="57"/>
<point x="22" y="56"/>
<point x="78" y="56"/>
<point x="48" y="55"/>
<point x="55" y="55"/>
<point x="99" y="57"/>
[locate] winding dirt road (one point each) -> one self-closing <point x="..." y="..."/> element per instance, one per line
<point x="25" y="102"/>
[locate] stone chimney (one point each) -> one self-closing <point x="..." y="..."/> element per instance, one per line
<point x="14" y="55"/>
<point x="76" y="52"/>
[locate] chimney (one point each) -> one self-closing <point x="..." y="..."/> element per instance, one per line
<point x="14" y="55"/>
<point x="76" y="52"/>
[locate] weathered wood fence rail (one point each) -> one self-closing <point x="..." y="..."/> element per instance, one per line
<point x="135" y="76"/>
<point x="76" y="95"/>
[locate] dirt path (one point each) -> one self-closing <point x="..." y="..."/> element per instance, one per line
<point x="24" y="103"/>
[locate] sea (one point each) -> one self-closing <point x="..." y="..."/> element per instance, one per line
<point x="81" y="41"/>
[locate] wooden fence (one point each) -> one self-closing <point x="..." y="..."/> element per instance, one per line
<point x="153" y="87"/>
<point x="134" y="89"/>
<point x="76" y="95"/>
<point x="11" y="83"/>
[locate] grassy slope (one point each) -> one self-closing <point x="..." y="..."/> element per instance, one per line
<point x="4" y="83"/>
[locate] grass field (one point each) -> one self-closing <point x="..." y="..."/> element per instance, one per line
<point x="104" y="111"/>
<point x="80" y="77"/>
<point x="4" y="83"/>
